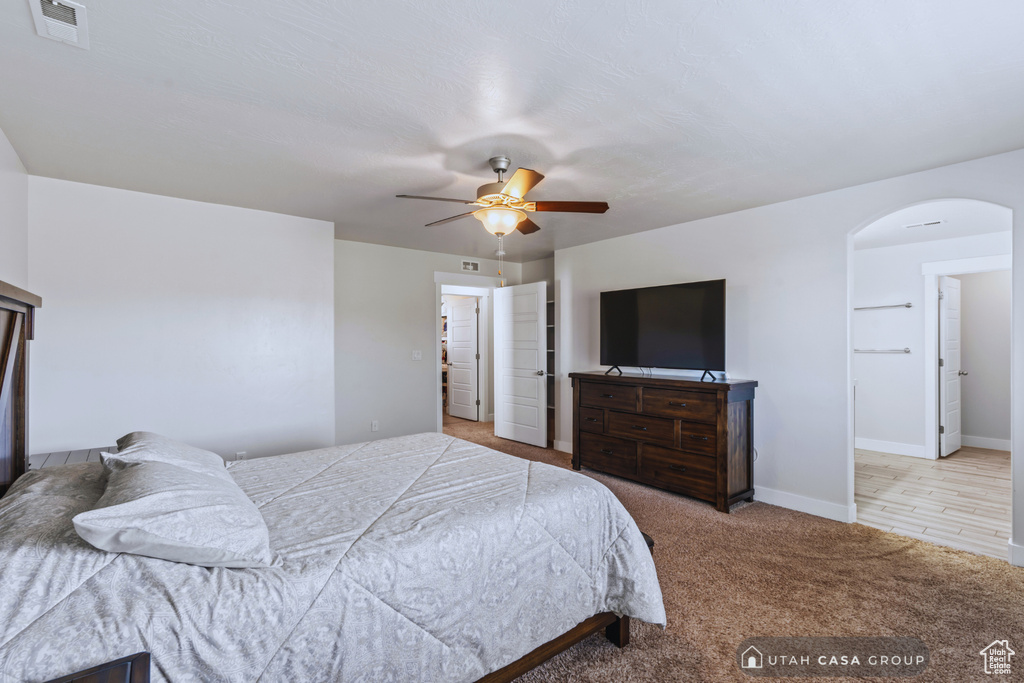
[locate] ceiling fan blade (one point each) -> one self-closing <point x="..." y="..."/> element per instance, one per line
<point x="437" y="199"/>
<point x="573" y="207"/>
<point x="521" y="182"/>
<point x="526" y="226"/>
<point x="449" y="220"/>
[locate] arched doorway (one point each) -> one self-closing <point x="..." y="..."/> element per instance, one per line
<point x="929" y="290"/>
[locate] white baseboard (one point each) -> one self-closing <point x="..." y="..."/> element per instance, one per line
<point x="1016" y="554"/>
<point x="893" y="447"/>
<point x="812" y="506"/>
<point x="985" y="442"/>
<point x="489" y="418"/>
<point x="563" y="446"/>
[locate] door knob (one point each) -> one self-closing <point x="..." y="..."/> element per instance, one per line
<point x="962" y="373"/>
<point x="540" y="373"/>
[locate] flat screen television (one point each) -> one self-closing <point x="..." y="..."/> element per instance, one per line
<point x="673" y="326"/>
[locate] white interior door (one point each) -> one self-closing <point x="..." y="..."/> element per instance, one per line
<point x="949" y="365"/>
<point x="463" y="358"/>
<point x="520" y="358"/>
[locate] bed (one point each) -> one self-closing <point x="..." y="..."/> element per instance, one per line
<point x="415" y="558"/>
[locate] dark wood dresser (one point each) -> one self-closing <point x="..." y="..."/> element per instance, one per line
<point x="681" y="435"/>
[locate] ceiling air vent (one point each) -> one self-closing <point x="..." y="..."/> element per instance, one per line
<point x="61" y="20"/>
<point x="471" y="266"/>
<point x="927" y="224"/>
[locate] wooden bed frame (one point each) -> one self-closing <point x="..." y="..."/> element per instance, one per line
<point x="135" y="668"/>
<point x="17" y="312"/>
<point x="615" y="628"/>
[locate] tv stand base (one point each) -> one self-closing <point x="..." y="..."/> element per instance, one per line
<point x="614" y="367"/>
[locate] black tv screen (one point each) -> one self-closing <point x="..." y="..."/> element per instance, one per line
<point x="674" y="326"/>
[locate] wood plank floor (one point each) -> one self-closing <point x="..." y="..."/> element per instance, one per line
<point x="961" y="501"/>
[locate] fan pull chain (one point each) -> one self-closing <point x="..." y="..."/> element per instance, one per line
<point x="501" y="260"/>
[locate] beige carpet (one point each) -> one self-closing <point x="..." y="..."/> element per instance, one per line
<point x="768" y="571"/>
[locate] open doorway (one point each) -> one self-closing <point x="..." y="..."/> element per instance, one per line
<point x="465" y="354"/>
<point x="931" y="458"/>
<point x="460" y="355"/>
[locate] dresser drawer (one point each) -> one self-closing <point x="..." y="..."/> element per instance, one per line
<point x="695" y="473"/>
<point x="642" y="427"/>
<point x="686" y="405"/>
<point x="698" y="438"/>
<point x="612" y="396"/>
<point x="608" y="454"/>
<point x="592" y="420"/>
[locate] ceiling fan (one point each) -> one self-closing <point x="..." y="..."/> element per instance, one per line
<point x="503" y="204"/>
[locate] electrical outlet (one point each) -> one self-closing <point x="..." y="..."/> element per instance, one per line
<point x="417" y="355"/>
<point x="374" y="426"/>
<point x="241" y="455"/>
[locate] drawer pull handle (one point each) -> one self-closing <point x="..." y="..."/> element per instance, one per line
<point x="608" y="451"/>
<point x="698" y="438"/>
<point x="607" y="396"/>
<point x="591" y="419"/>
<point x="677" y="405"/>
<point x="642" y="429"/>
<point x="678" y="468"/>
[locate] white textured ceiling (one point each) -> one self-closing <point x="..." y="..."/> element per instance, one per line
<point x="960" y="218"/>
<point x="670" y="111"/>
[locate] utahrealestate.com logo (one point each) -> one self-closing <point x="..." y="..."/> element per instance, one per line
<point x="997" y="657"/>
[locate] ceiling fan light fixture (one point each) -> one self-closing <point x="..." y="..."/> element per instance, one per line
<point x="500" y="220"/>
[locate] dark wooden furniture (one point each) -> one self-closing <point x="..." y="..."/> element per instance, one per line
<point x="681" y="435"/>
<point x="17" y="318"/>
<point x="131" y="669"/>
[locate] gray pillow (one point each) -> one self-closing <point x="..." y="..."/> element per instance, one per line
<point x="150" y="447"/>
<point x="172" y="513"/>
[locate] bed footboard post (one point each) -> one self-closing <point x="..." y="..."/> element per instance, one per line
<point x="618" y="631"/>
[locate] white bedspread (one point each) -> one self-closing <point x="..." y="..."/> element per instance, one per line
<point x="420" y="558"/>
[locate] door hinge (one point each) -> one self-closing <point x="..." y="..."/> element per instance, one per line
<point x="478" y="356"/>
<point x="942" y="295"/>
<point x="478" y="401"/>
<point x="942" y="430"/>
<point x="942" y="363"/>
<point x="478" y="309"/>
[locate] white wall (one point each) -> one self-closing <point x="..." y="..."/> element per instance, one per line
<point x="788" y="267"/>
<point x="541" y="269"/>
<point x="211" y="324"/>
<point x="891" y="402"/>
<point x="386" y="306"/>
<point x="13" y="217"/>
<point x="985" y="336"/>
<point x="785" y="295"/>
